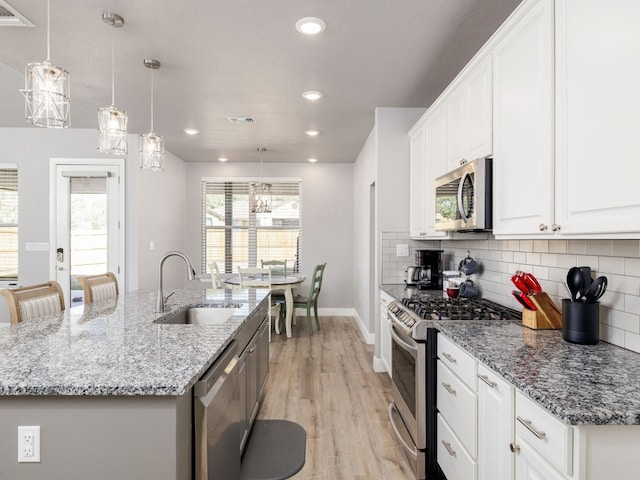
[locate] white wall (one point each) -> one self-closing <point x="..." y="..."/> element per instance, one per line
<point x="383" y="160"/>
<point x="154" y="202"/>
<point x="327" y="211"/>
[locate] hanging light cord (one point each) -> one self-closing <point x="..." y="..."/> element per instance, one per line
<point x="48" y="29"/>
<point x="113" y="71"/>
<point x="152" y="99"/>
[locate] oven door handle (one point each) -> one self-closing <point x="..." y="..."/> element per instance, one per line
<point x="413" y="451"/>
<point x="409" y="348"/>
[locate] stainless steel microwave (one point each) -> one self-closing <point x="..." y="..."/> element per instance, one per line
<point x="464" y="197"/>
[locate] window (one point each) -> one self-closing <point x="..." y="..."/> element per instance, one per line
<point x="8" y="224"/>
<point x="233" y="236"/>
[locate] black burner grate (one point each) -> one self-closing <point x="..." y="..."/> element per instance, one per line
<point x="431" y="307"/>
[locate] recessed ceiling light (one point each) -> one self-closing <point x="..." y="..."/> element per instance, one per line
<point x="313" y="160"/>
<point x="312" y="133"/>
<point x="191" y="131"/>
<point x="223" y="159"/>
<point x="310" y="25"/>
<point x="312" y="95"/>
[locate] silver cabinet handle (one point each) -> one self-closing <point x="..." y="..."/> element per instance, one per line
<point x="542" y="227"/>
<point x="514" y="447"/>
<point x="449" y="389"/>
<point x="555" y="227"/>
<point x="451" y="451"/>
<point x="486" y="380"/>
<point x="529" y="426"/>
<point x="449" y="357"/>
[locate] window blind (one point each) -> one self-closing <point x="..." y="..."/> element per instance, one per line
<point x="8" y="224"/>
<point x="234" y="236"/>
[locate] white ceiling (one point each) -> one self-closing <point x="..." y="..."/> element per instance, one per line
<point x="245" y="57"/>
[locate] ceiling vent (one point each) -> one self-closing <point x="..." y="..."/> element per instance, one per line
<point x="239" y="120"/>
<point x="9" y="17"/>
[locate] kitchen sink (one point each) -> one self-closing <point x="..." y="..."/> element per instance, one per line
<point x="198" y="316"/>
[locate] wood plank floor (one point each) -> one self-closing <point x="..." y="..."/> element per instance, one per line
<point x="326" y="383"/>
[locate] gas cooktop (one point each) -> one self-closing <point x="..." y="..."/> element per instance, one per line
<point x="431" y="307"/>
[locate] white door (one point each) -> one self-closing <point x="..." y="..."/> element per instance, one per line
<point x="88" y="224"/>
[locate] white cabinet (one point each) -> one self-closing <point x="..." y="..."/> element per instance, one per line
<point x="417" y="184"/>
<point x="385" y="333"/>
<point x="435" y="148"/>
<point x="597" y="120"/>
<point x="523" y="123"/>
<point x="469" y="115"/>
<point x="531" y="466"/>
<point x="456" y="401"/>
<point x="495" y="425"/>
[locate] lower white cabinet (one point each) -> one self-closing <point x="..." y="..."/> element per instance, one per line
<point x="495" y="425"/>
<point x="531" y="466"/>
<point x="454" y="460"/>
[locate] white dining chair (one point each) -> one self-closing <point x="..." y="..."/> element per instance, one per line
<point x="260" y="277"/>
<point x="216" y="281"/>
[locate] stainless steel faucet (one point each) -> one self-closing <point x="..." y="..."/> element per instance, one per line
<point x="190" y="271"/>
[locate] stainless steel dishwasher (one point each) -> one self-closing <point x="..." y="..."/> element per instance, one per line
<point x="216" y="409"/>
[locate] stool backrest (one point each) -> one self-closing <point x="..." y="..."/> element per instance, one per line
<point x="34" y="301"/>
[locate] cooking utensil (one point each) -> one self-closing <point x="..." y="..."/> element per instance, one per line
<point x="595" y="290"/>
<point x="586" y="276"/>
<point x="564" y="284"/>
<point x="531" y="282"/>
<point x="575" y="281"/>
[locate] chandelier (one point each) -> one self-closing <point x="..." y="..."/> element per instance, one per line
<point x="151" y="144"/>
<point x="260" y="192"/>
<point x="112" y="122"/>
<point x="47" y="90"/>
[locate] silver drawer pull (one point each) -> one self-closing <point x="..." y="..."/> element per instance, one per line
<point x="486" y="380"/>
<point x="451" y="451"/>
<point x="514" y="447"/>
<point x="449" y="389"/>
<point x="527" y="424"/>
<point x="449" y="357"/>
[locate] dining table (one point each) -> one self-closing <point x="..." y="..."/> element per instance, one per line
<point x="285" y="282"/>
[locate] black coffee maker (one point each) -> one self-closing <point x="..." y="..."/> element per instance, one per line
<point x="430" y="264"/>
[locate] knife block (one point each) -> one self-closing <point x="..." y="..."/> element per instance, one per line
<point x="547" y="316"/>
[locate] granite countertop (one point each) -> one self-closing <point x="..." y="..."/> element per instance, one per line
<point x="579" y="384"/>
<point x="114" y="348"/>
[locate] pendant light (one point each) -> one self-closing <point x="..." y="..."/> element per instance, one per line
<point x="152" y="145"/>
<point x="47" y="90"/>
<point x="112" y="122"/>
<point x="260" y="192"/>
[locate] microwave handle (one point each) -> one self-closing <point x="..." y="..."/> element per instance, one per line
<point x="463" y="214"/>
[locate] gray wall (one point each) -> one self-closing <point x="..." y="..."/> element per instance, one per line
<point x="327" y="215"/>
<point x="155" y="203"/>
<point x="101" y="438"/>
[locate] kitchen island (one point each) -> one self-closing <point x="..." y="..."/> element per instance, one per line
<point x="110" y="389"/>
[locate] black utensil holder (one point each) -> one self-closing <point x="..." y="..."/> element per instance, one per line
<point x="580" y="322"/>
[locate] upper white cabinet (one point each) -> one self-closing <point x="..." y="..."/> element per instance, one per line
<point x="417" y="183"/>
<point x="435" y="164"/>
<point x="523" y="123"/>
<point x="564" y="131"/>
<point x="597" y="116"/>
<point x="468" y="115"/>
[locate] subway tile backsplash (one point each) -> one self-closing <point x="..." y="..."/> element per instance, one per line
<point x="549" y="260"/>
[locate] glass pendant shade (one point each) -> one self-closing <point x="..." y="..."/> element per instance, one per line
<point x="261" y="197"/>
<point x="112" y="130"/>
<point x="152" y="152"/>
<point x="46" y="93"/>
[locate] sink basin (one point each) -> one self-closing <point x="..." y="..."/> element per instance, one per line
<point x="198" y="316"/>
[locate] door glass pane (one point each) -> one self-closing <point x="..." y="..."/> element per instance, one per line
<point x="87" y="231"/>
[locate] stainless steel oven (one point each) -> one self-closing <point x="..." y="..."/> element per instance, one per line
<point x="412" y="411"/>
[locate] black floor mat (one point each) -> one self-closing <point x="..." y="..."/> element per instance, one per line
<point x="276" y="450"/>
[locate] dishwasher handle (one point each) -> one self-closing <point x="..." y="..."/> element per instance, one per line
<point x="222" y="367"/>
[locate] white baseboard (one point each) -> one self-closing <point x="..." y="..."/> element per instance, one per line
<point x="369" y="337"/>
<point x="378" y="365"/>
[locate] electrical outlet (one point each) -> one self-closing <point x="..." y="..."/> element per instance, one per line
<point x="28" y="444"/>
<point x="152" y="245"/>
<point x="402" y="250"/>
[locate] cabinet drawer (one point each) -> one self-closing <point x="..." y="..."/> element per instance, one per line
<point x="545" y="433"/>
<point x="457" y="404"/>
<point x="453" y="459"/>
<point x="459" y="361"/>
